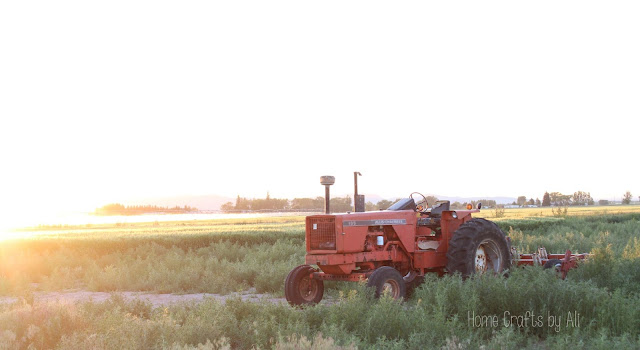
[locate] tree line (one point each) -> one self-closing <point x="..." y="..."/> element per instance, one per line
<point x="338" y="204"/>
<point x="579" y="198"/>
<point x="344" y="204"/>
<point x="558" y="199"/>
<point x="119" y="209"/>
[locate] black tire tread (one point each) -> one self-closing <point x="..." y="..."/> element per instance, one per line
<point x="463" y="241"/>
<point x="289" y="280"/>
<point x="291" y="292"/>
<point x="551" y="263"/>
<point x="384" y="273"/>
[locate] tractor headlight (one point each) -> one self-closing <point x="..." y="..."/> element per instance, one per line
<point x="454" y="215"/>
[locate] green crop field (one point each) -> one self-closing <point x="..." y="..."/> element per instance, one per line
<point x="597" y="307"/>
<point x="520" y="213"/>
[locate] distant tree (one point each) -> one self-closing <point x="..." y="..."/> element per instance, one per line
<point x="514" y="203"/>
<point x="268" y="203"/>
<point x="603" y="202"/>
<point x="560" y="199"/>
<point x="457" y="205"/>
<point x="431" y="200"/>
<point x="369" y="206"/>
<point x="279" y="204"/>
<point x="626" y="199"/>
<point x="340" y="204"/>
<point x="522" y="200"/>
<point x="486" y="203"/>
<point x="227" y="207"/>
<point x="582" y="198"/>
<point x="538" y="203"/>
<point x="111" y="209"/>
<point x="531" y="201"/>
<point x="546" y="200"/>
<point x="119" y="209"/>
<point x="242" y="204"/>
<point x="384" y="204"/>
<point x="307" y="203"/>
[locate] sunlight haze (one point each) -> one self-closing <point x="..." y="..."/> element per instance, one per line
<point x="116" y="101"/>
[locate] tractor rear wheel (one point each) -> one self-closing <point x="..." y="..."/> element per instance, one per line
<point x="387" y="280"/>
<point x="301" y="289"/>
<point x="478" y="246"/>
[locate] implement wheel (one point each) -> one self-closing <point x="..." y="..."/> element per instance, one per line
<point x="387" y="281"/>
<point x="300" y="289"/>
<point x="478" y="246"/>
<point x="551" y="263"/>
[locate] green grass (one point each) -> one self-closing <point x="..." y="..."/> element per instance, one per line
<point x="225" y="256"/>
<point x="217" y="257"/>
<point x="437" y="316"/>
<point x="613" y="240"/>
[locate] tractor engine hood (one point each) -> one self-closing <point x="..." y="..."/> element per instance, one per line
<point x="346" y="233"/>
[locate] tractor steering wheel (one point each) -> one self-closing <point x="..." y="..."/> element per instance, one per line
<point x="421" y="205"/>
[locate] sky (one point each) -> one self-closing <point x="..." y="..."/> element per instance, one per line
<point x="105" y="102"/>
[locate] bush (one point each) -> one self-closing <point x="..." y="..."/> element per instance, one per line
<point x="560" y="211"/>
<point x="498" y="211"/>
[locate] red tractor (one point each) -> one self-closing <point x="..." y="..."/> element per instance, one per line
<point x="393" y="249"/>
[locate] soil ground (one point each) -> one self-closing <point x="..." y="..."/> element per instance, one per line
<point x="74" y="296"/>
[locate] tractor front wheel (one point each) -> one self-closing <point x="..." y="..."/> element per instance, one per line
<point x="301" y="289"/>
<point x="478" y="246"/>
<point x="387" y="280"/>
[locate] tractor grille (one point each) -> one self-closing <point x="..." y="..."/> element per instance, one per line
<point x="322" y="233"/>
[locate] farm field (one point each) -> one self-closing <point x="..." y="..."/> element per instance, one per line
<point x="519" y="213"/>
<point x="597" y="307"/>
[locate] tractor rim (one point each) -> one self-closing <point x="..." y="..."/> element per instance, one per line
<point x="481" y="259"/>
<point x="391" y="288"/>
<point x="308" y="288"/>
<point x="488" y="257"/>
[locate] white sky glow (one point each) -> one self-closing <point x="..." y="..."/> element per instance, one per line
<point x="106" y="101"/>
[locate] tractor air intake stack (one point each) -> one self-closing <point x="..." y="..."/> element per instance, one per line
<point x="358" y="199"/>
<point x="327" y="181"/>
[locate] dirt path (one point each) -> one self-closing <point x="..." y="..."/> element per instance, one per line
<point x="74" y="296"/>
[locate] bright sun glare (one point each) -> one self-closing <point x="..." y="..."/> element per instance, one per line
<point x="442" y="99"/>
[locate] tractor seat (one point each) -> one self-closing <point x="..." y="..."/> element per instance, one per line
<point x="439" y="207"/>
